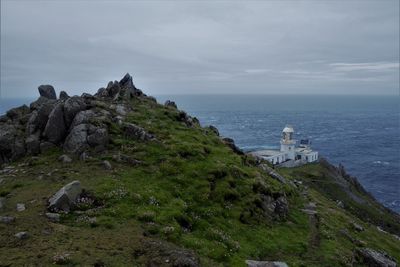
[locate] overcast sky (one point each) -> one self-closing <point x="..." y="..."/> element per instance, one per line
<point x="200" y="47"/>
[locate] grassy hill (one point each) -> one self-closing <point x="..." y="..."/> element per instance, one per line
<point x="185" y="198"/>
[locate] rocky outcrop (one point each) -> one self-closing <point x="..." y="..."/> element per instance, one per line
<point x="135" y="132"/>
<point x="372" y="258"/>
<point x="56" y="129"/>
<point x="47" y="91"/>
<point x="73" y="106"/>
<point x="63" y="95"/>
<point x="170" y="103"/>
<point x="65" y="198"/>
<point x="231" y="143"/>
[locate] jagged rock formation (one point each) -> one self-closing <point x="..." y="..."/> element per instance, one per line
<point x="76" y="123"/>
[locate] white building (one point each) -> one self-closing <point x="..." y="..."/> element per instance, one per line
<point x="289" y="155"/>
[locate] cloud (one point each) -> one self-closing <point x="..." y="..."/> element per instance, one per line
<point x="372" y="66"/>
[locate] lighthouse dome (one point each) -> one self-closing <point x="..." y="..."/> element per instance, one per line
<point x="288" y="129"/>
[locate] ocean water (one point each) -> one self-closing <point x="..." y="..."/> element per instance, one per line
<point x="361" y="132"/>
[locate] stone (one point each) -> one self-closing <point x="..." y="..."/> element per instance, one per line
<point x="39" y="121"/>
<point x="20" y="207"/>
<point x="22" y="235"/>
<point x="76" y="141"/>
<point x="121" y="110"/>
<point x="53" y="217"/>
<point x="7" y="219"/>
<point x="65" y="198"/>
<point x="61" y="259"/>
<point x="47" y="91"/>
<point x="83" y="117"/>
<point x="65" y="159"/>
<point x="358" y="227"/>
<point x="170" y="103"/>
<point x="231" y="143"/>
<point x="46" y="146"/>
<point x="73" y="106"/>
<point x="102" y="92"/>
<point x="106" y="165"/>
<point x="128" y="89"/>
<point x="214" y="129"/>
<point x="113" y="89"/>
<point x="99" y="138"/>
<point x="136" y="132"/>
<point x="16" y="113"/>
<point x="373" y="258"/>
<point x="63" y="95"/>
<point x="56" y="129"/>
<point x="7" y="139"/>
<point x="32" y="143"/>
<point x="2" y="203"/>
<point x="253" y="263"/>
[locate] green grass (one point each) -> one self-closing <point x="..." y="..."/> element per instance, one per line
<point x="190" y="190"/>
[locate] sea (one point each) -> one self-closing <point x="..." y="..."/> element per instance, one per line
<point x="360" y="132"/>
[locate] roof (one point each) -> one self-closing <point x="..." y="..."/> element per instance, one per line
<point x="288" y="129"/>
<point x="267" y="153"/>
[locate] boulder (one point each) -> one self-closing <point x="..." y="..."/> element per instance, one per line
<point x="63" y="95"/>
<point x="73" y="106"/>
<point x="214" y="129"/>
<point x="76" y="141"/>
<point x="128" y="89"/>
<point x="2" y="202"/>
<point x="102" y="92"/>
<point x="136" y="132"/>
<point x="372" y="258"/>
<point x="65" y="198"/>
<point x="56" y="129"/>
<point x="21" y="207"/>
<point x="252" y="263"/>
<point x="22" y="235"/>
<point x="40" y="121"/>
<point x="99" y="138"/>
<point x="17" y="113"/>
<point x="170" y="103"/>
<point x="47" y="91"/>
<point x="113" y="89"/>
<point x="83" y="117"/>
<point x="7" y="139"/>
<point x="121" y="110"/>
<point x="274" y="208"/>
<point x="32" y="143"/>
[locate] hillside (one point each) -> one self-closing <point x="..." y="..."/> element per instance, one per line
<point x="158" y="189"/>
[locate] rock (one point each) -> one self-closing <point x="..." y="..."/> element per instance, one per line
<point x="7" y="139"/>
<point x="121" y="110"/>
<point x="276" y="208"/>
<point x="76" y="141"/>
<point x="231" y="143"/>
<point x="56" y="129"/>
<point x="99" y="138"/>
<point x="113" y="89"/>
<point x="252" y="263"/>
<point x="46" y="146"/>
<point x="84" y="156"/>
<point x="61" y="259"/>
<point x="20" y="207"/>
<point x="102" y="92"/>
<point x="63" y="95"/>
<point x="65" y="198"/>
<point x="214" y="129"/>
<point x="358" y="227"/>
<point x="83" y="117"/>
<point x="133" y="131"/>
<point x="2" y="202"/>
<point x="128" y="89"/>
<point x="16" y="113"/>
<point x="170" y="103"/>
<point x="40" y="114"/>
<point x="65" y="159"/>
<point x="72" y="107"/>
<point x="54" y="217"/>
<point x="22" y="235"/>
<point x="106" y="165"/>
<point x="373" y="258"/>
<point x="47" y="91"/>
<point x="7" y="219"/>
<point x="32" y="143"/>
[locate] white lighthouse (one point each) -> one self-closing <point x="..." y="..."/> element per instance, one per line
<point x="287" y="142"/>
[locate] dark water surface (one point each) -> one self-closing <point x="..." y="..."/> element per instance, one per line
<point x="361" y="132"/>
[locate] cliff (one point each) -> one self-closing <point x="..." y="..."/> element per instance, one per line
<point x="116" y="179"/>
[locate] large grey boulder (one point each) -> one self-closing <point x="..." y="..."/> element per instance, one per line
<point x="17" y="113"/>
<point x="372" y="258"/>
<point x="12" y="143"/>
<point x="47" y="91"/>
<point x="83" y="117"/>
<point x="56" y="129"/>
<point x="99" y="138"/>
<point x="65" y="198"/>
<point x="32" y="143"/>
<point x="76" y="141"/>
<point x="73" y="106"/>
<point x="63" y="95"/>
<point x="113" y="89"/>
<point x="136" y="132"/>
<point x="40" y="114"/>
<point x="128" y="89"/>
<point x="252" y="263"/>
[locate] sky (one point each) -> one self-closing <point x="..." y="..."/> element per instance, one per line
<point x="201" y="47"/>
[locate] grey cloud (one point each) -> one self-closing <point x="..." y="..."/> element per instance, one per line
<point x="176" y="47"/>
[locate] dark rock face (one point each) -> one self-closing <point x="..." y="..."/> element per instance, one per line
<point x="113" y="89"/>
<point x="133" y="131"/>
<point x="170" y="103"/>
<point x="63" y="95"/>
<point x="276" y="208"/>
<point x="47" y="91"/>
<point x="128" y="89"/>
<point x="56" y="128"/>
<point x="372" y="258"/>
<point x="17" y="113"/>
<point x="73" y="106"/>
<point x="214" y="129"/>
<point x="231" y="143"/>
